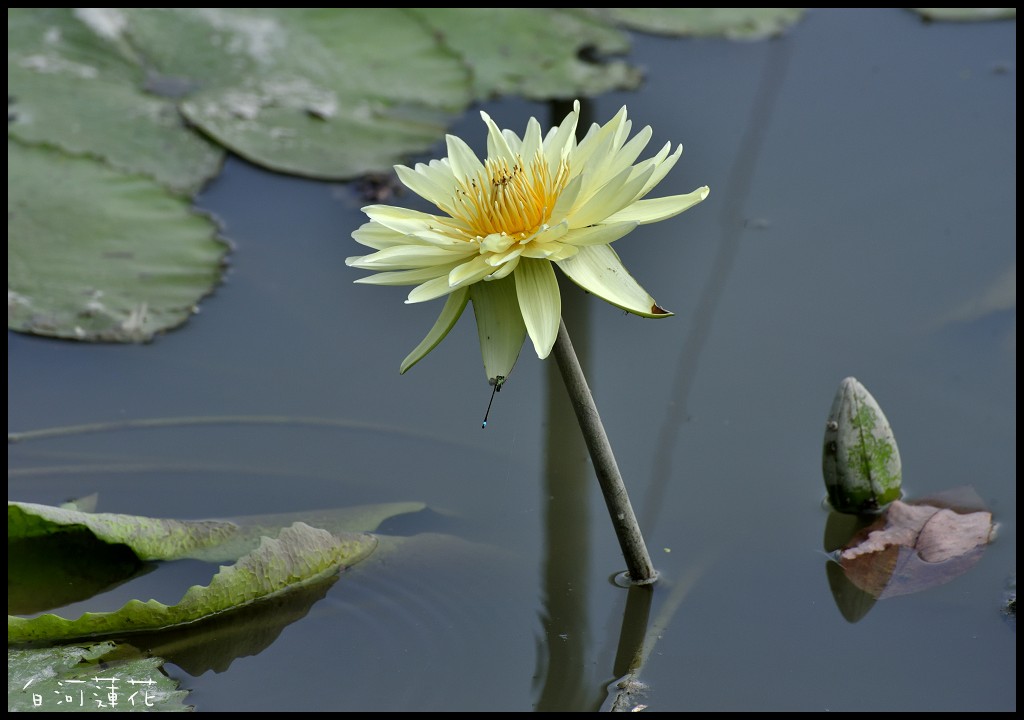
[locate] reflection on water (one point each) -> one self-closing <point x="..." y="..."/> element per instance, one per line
<point x="564" y="683"/>
<point x="731" y="222"/>
<point x="568" y="485"/>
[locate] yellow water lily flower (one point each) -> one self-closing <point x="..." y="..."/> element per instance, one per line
<point x="536" y="201"/>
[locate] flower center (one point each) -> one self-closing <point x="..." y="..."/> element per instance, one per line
<point x="510" y="200"/>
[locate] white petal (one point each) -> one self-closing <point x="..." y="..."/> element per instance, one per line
<point x="546" y="234"/>
<point x="540" y="302"/>
<point x="593" y="130"/>
<point x="499" y="325"/>
<point x="464" y="162"/>
<point x="401" y="219"/>
<point x="425" y="185"/>
<point x="405" y="257"/>
<point x="532" y="141"/>
<point x="613" y="158"/>
<point x="495" y="259"/>
<point x="550" y="251"/>
<point x="496" y="243"/>
<point x="514" y="143"/>
<point x="598" y="141"/>
<point x="567" y="199"/>
<point x="431" y="289"/>
<point x="622" y="132"/>
<point x="506" y="267"/>
<point x="439" y="172"/>
<point x="597" y="269"/>
<point x="416" y="227"/>
<point x="378" y="236"/>
<point x="662" y="163"/>
<point x="561" y="140"/>
<point x="563" y="251"/>
<point x="604" y="234"/>
<point x="616" y="194"/>
<point x="470" y="271"/>
<point x="450" y="313"/>
<point x="448" y="238"/>
<point x="648" y="211"/>
<point x="404" y="277"/>
<point x="497" y="146"/>
<point x="627" y="155"/>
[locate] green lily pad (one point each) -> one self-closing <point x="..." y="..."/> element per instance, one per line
<point x="966" y="14"/>
<point x="73" y="82"/>
<point x="300" y="556"/>
<point x="732" y="23"/>
<point x="148" y="538"/>
<point x="95" y="254"/>
<point x="208" y="540"/>
<point x="216" y="641"/>
<point x="50" y="547"/>
<point x="99" y="677"/>
<point x="329" y="93"/>
<point x="535" y="52"/>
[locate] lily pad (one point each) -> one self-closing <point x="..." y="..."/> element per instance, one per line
<point x="96" y="254"/>
<point x="216" y="641"/>
<point x="732" y="23"/>
<point x="966" y="14"/>
<point x="208" y="540"/>
<point x="148" y="538"/>
<point x="300" y="556"/>
<point x="210" y="627"/>
<point x="98" y="677"/>
<point x="329" y="93"/>
<point x="74" y="82"/>
<point x="537" y="53"/>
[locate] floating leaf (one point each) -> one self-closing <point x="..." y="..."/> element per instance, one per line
<point x="98" y="677"/>
<point x="208" y="540"/>
<point x="94" y="254"/>
<point x="534" y="52"/>
<point x="916" y="546"/>
<point x="860" y="460"/>
<point x="732" y="23"/>
<point x="148" y="538"/>
<point x="75" y="83"/>
<point x="50" y="547"/>
<point x="341" y="522"/>
<point x="333" y="93"/>
<point x="966" y="14"/>
<point x="300" y="556"/>
<point x="330" y="93"/>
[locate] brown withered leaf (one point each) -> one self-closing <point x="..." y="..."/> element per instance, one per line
<point x="918" y="545"/>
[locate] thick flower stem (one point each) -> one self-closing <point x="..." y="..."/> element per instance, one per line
<point x="627" y="529"/>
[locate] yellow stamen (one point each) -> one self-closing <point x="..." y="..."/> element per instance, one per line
<point x="514" y="200"/>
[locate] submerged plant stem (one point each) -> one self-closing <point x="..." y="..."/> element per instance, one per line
<point x="627" y="529"/>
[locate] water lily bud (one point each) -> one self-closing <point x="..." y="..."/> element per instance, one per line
<point x="860" y="460"/>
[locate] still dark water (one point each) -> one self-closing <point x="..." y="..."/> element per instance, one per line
<point x="862" y="221"/>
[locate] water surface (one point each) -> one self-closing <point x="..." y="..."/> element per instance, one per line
<point x="862" y="221"/>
